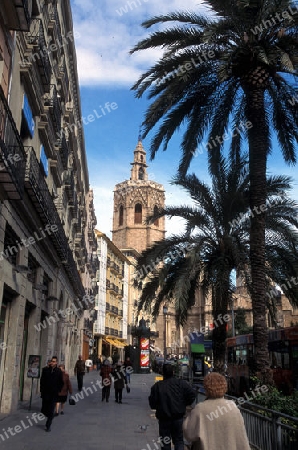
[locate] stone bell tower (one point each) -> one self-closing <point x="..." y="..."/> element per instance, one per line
<point x="134" y="200"/>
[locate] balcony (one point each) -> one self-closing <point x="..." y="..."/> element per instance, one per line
<point x="68" y="182"/>
<point x="37" y="189"/>
<point x="77" y="224"/>
<point x="64" y="79"/>
<point x="35" y="38"/>
<point x="91" y="235"/>
<point x="52" y="102"/>
<point x="73" y="205"/>
<point x="114" y="310"/>
<point x="18" y="16"/>
<point x="92" y="265"/>
<point x="114" y="267"/>
<point x="12" y="154"/>
<point x="54" y="24"/>
<point x="64" y="151"/>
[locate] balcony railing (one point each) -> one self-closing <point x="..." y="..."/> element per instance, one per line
<point x="114" y="310"/>
<point x="68" y="182"/>
<point x="36" y="38"/>
<point x="38" y="190"/>
<point x="64" y="151"/>
<point x="54" y="23"/>
<point x="17" y="14"/>
<point x="12" y="153"/>
<point x="52" y="101"/>
<point x="115" y="267"/>
<point x="63" y="75"/>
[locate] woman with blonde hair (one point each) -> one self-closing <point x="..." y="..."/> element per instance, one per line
<point x="215" y="423"/>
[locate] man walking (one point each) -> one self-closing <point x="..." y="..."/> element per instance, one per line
<point x="79" y="371"/>
<point x="105" y="373"/>
<point x="169" y="398"/>
<point x="51" y="383"/>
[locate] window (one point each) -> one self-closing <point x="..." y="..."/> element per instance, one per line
<point x="28" y="124"/>
<point x="138" y="213"/>
<point x="11" y="247"/>
<point x="44" y="161"/>
<point x="32" y="266"/>
<point x="141" y="173"/>
<point x="155" y="211"/>
<point x="121" y="215"/>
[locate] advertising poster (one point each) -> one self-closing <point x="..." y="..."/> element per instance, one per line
<point x="144" y="352"/>
<point x="34" y="362"/>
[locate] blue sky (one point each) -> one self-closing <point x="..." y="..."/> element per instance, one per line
<point x="106" y="30"/>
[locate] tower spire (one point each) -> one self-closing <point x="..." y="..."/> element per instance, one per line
<point x="139" y="166"/>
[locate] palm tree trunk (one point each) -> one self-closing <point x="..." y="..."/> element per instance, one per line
<point x="219" y="333"/>
<point x="258" y="150"/>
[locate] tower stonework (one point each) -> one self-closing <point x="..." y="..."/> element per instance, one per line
<point x="134" y="200"/>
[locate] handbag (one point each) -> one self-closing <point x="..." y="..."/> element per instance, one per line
<point x="127" y="389"/>
<point x="71" y="401"/>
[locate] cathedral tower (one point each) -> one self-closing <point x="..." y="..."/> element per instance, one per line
<point x="134" y="200"/>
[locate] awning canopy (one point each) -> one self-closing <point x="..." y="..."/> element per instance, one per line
<point x="119" y="343"/>
<point x="197" y="348"/>
<point x="115" y="342"/>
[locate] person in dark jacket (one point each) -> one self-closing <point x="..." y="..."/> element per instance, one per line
<point x="105" y="373"/>
<point x="169" y="398"/>
<point x="120" y="381"/>
<point x="51" y="383"/>
<point x="79" y="371"/>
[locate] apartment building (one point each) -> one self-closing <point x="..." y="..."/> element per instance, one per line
<point x="48" y="258"/>
<point x="110" y="326"/>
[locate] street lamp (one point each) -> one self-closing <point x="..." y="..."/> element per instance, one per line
<point x="165" y="312"/>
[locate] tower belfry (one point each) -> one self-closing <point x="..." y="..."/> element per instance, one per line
<point x="134" y="200"/>
<point x="139" y="166"/>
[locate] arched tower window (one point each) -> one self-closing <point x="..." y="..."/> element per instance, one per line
<point x="141" y="173"/>
<point x="121" y="215"/>
<point x="138" y="213"/>
<point x="155" y="211"/>
<point x="141" y="158"/>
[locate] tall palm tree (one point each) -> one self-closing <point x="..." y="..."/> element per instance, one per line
<point x="221" y="73"/>
<point x="215" y="242"/>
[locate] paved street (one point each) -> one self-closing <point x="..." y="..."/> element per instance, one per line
<point x="90" y="424"/>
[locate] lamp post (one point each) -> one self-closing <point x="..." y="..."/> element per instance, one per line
<point x="165" y="312"/>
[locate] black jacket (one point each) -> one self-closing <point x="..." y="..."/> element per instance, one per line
<point x="51" y="383"/>
<point x="170" y="398"/>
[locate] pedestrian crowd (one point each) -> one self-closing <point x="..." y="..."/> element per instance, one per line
<point x="55" y="385"/>
<point x="173" y="399"/>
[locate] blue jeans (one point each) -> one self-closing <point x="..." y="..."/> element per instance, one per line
<point x="171" y="429"/>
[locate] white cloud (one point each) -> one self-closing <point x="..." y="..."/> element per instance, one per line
<point x="108" y="32"/>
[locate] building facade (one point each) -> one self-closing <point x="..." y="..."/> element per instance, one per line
<point x="111" y="306"/>
<point x="47" y="253"/>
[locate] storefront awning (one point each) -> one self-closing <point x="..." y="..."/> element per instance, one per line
<point x="197" y="348"/>
<point x="115" y="342"/>
<point x="119" y="344"/>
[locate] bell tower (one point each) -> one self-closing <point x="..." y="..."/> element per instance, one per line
<point x="134" y="200"/>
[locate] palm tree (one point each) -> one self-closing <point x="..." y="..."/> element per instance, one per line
<point x="228" y="73"/>
<point x="215" y="242"/>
